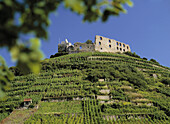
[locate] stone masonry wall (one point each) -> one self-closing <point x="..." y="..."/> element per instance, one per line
<point x="103" y="44"/>
<point x="84" y="47"/>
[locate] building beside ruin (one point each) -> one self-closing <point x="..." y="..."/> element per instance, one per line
<point x="101" y="44"/>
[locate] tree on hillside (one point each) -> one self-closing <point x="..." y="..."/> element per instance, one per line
<point x="153" y="60"/>
<point x="89" y="42"/>
<point x="31" y="17"/>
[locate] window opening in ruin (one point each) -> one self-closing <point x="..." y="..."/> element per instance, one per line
<point x="120" y="44"/>
<point x="120" y="49"/>
<point x="123" y="45"/>
<point x="101" y="48"/>
<point x="109" y="46"/>
<point x="117" y="43"/>
<point x="124" y="50"/>
<point x="109" y="41"/>
<point x="80" y="47"/>
<point x="127" y="47"/>
<point x="117" y="48"/>
<point x="100" y="38"/>
<point x="99" y="43"/>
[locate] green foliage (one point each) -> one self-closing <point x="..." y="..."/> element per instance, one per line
<point x="166" y="80"/>
<point x="31" y="105"/>
<point x="72" y="80"/>
<point x="31" y="19"/>
<point x="50" y="118"/>
<point x="27" y="58"/>
<point x="89" y="42"/>
<point x="92" y="112"/>
<point x="60" y="107"/>
<point x="91" y="9"/>
<point x="3" y="115"/>
<point x="94" y="75"/>
<point x="34" y="19"/>
<point x="132" y="54"/>
<point x="5" y="77"/>
<point x="145" y="58"/>
<point x="153" y="60"/>
<point x="15" y="71"/>
<point x="59" y="54"/>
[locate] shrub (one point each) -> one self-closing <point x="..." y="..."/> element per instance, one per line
<point x="145" y="58"/>
<point x="31" y="105"/>
<point x="89" y="42"/>
<point x="15" y="71"/>
<point x="165" y="81"/>
<point x="59" y="54"/>
<point x="153" y="60"/>
<point x="132" y="54"/>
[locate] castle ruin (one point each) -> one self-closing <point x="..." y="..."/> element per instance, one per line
<point x="101" y="44"/>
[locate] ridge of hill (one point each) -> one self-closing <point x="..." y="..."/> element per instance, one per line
<point x="93" y="88"/>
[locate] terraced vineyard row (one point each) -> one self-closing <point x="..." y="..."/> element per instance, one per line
<point x="120" y="89"/>
<point x="92" y="114"/>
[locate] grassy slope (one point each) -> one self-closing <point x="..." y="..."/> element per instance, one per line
<point x="76" y="75"/>
<point x="18" y="116"/>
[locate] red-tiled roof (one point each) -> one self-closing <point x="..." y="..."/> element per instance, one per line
<point x="29" y="99"/>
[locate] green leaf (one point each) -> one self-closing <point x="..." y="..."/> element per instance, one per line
<point x="35" y="43"/>
<point x="35" y="67"/>
<point x="41" y="4"/>
<point x="8" y="2"/>
<point x="75" y="5"/>
<point x="14" y="53"/>
<point x="23" y="57"/>
<point x="130" y="3"/>
<point x="5" y="77"/>
<point x="38" y="11"/>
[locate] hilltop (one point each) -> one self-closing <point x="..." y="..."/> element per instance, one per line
<point x="91" y="87"/>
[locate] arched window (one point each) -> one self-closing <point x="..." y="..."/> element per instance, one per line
<point x="120" y="49"/>
<point x="120" y="44"/>
<point x="100" y="38"/>
<point x="117" y="43"/>
<point x="99" y="43"/>
<point x="117" y="48"/>
<point x="109" y="46"/>
<point x="123" y="45"/>
<point x="109" y="41"/>
<point x="127" y="47"/>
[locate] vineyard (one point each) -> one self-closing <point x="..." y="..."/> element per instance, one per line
<point x="92" y="88"/>
<point x="92" y="114"/>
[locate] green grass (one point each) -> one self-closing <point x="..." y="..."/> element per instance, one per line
<point x="18" y="116"/>
<point x="60" y="107"/>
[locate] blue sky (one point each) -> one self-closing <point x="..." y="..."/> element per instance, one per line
<point x="146" y="28"/>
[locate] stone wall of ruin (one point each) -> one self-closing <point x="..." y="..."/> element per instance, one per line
<point x="84" y="47"/>
<point x="103" y="44"/>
